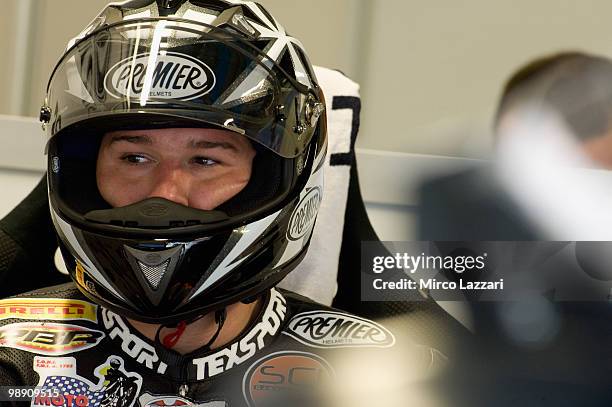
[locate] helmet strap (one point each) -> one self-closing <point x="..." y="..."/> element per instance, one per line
<point x="169" y="341"/>
<point x="172" y="338"/>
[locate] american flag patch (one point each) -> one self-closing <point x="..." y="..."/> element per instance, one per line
<point x="75" y="387"/>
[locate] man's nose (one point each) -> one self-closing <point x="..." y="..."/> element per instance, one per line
<point x="171" y="183"/>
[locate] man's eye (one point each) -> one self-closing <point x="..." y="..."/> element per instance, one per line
<point x="134" y="159"/>
<point x="204" y="161"/>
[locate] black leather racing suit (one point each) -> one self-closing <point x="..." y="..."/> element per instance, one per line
<point x="78" y="353"/>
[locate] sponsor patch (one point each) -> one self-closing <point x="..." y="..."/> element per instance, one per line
<point x="47" y="309"/>
<point x="330" y="329"/>
<point x="151" y="400"/>
<point x="83" y="278"/>
<point x="61" y="386"/>
<point x="168" y="76"/>
<point x="132" y="345"/>
<point x="243" y="350"/>
<point x="48" y="339"/>
<point x="304" y="215"/>
<point x="284" y="377"/>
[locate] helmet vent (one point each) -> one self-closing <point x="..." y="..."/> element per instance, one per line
<point x="154" y="273"/>
<point x="154" y="269"/>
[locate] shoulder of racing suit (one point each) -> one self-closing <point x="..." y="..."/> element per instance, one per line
<point x="60" y="341"/>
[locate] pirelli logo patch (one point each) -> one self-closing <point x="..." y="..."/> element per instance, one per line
<point x="331" y="329"/>
<point x="56" y="309"/>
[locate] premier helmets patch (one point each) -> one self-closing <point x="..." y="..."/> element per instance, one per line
<point x="331" y="329"/>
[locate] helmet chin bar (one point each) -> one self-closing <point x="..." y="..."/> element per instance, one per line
<point x="155" y="213"/>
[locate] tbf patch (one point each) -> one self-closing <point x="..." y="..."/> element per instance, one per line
<point x="48" y="338"/>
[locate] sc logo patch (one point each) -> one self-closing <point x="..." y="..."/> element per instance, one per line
<point x="286" y="378"/>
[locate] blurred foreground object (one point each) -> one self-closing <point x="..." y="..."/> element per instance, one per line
<point x="553" y="138"/>
<point x="549" y="179"/>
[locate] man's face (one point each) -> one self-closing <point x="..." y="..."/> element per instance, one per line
<point x="195" y="167"/>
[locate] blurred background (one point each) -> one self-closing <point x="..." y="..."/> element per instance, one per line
<point x="430" y="75"/>
<point x="427" y="69"/>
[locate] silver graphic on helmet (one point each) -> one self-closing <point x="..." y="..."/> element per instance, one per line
<point x="210" y="64"/>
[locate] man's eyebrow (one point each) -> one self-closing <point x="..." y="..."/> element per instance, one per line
<point x="212" y="144"/>
<point x="137" y="139"/>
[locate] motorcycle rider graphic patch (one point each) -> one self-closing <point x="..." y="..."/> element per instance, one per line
<point x="60" y="383"/>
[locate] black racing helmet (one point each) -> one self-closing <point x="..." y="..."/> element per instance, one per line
<point x="145" y="64"/>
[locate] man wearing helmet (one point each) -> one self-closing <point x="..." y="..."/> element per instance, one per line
<point x="186" y="147"/>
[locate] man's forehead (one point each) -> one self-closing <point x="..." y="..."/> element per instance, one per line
<point x="190" y="137"/>
<point x="174" y="131"/>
